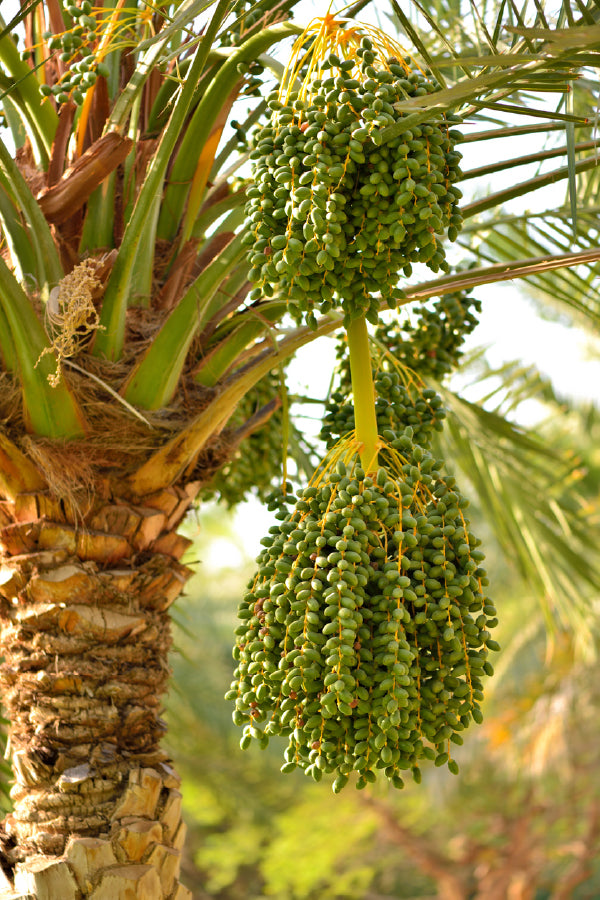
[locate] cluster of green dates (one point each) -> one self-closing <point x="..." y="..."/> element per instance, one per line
<point x="247" y="15"/>
<point x="431" y="347"/>
<point x="396" y="406"/>
<point x="334" y="213"/>
<point x="75" y="48"/>
<point x="365" y="634"/>
<point x="257" y="464"/>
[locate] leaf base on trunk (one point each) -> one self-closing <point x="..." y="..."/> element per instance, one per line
<point x="85" y="635"/>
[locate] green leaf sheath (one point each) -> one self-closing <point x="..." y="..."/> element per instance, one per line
<point x="47" y="270"/>
<point x="98" y="227"/>
<point x="233" y="346"/>
<point x="154" y="380"/>
<point x="138" y="236"/>
<point x="7" y="351"/>
<point x="22" y="250"/>
<point x="49" y="411"/>
<point x="167" y="464"/>
<point x="200" y="127"/>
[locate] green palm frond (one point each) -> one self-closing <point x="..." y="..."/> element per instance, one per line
<point x="521" y="383"/>
<point x="507" y="62"/>
<point x="530" y="491"/>
<point x="548" y="233"/>
<point x="519" y="268"/>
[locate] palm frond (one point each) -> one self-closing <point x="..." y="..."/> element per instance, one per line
<point x="528" y="186"/>
<point x="577" y="287"/>
<point x="528" y="491"/>
<point x="502" y="271"/>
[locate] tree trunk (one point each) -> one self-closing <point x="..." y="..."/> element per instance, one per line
<point x="420" y="849"/>
<point x="85" y="634"/>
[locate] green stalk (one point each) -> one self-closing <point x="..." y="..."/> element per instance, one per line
<point x="99" y="218"/>
<point x="143" y="268"/>
<point x="129" y="166"/>
<point x="7" y="350"/>
<point x="571" y="149"/>
<point x="98" y="227"/>
<point x="363" y="391"/>
<point x="143" y="271"/>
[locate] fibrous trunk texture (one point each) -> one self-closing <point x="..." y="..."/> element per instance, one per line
<point x="85" y="634"/>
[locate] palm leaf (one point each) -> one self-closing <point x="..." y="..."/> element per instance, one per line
<point x="527" y="490"/>
<point x="577" y="287"/>
<point x="532" y="267"/>
<point x="529" y="158"/>
<point x="201" y="126"/>
<point x="27" y="7"/>
<point x="524" y="188"/>
<point x="537" y="59"/>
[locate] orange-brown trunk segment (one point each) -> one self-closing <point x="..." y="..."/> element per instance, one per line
<point x="84" y="636"/>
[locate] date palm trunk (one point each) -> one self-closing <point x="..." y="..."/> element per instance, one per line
<point x="85" y="636"/>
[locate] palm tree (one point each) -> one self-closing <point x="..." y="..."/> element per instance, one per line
<point x="127" y="343"/>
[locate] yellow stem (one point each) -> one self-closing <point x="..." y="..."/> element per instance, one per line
<point x="363" y="391"/>
<point x="101" y="51"/>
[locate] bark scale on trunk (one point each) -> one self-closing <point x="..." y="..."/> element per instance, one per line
<point x="85" y="634"/>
